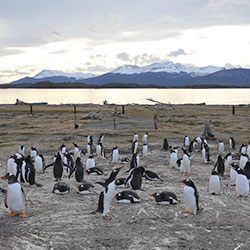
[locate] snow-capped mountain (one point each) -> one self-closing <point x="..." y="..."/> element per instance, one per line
<point x="168" y="67"/>
<point x="51" y="73"/>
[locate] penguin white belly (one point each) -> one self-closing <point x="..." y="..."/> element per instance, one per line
<point x="186" y="164"/>
<point x="145" y="150"/>
<point x="173" y="159"/>
<point x="189" y="199"/>
<point x="204" y="157"/>
<point x="221" y="148"/>
<point x="11" y="166"/>
<point x="115" y="156"/>
<point x="108" y="197"/>
<point x="233" y="176"/>
<point x="15" y="198"/>
<point x="228" y="162"/>
<point x="90" y="163"/>
<point x="186" y="143"/>
<point x="38" y="164"/>
<point x="77" y="153"/>
<point x="242" y="185"/>
<point x="138" y="160"/>
<point x="98" y="150"/>
<point x="248" y="151"/>
<point x="243" y="161"/>
<point x="214" y="184"/>
<point x="145" y="139"/>
<point x="181" y="167"/>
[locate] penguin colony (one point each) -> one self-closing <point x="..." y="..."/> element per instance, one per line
<point x="22" y="170"/>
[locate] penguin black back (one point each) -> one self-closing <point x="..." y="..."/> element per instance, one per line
<point x="247" y="170"/>
<point x="165" y="144"/>
<point x="220" y="166"/>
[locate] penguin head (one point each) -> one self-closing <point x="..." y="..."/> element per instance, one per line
<point x="10" y="177"/>
<point x="235" y="166"/>
<point x="156" y="194"/>
<point x="240" y="171"/>
<point x="146" y="133"/>
<point x="219" y="158"/>
<point x="214" y="172"/>
<point x="118" y="196"/>
<point x="91" y="156"/>
<point x="75" y="144"/>
<point x="188" y="182"/>
<point x="114" y="173"/>
<point x="78" y="160"/>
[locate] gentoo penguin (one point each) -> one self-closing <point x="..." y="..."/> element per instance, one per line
<point x="78" y="169"/>
<point x="243" y="160"/>
<point x="186" y="141"/>
<point x="94" y="171"/>
<point x="165" y="198"/>
<point x="221" y="147"/>
<point x="191" y="146"/>
<point x="57" y="167"/>
<point x="243" y="149"/>
<point x="63" y="149"/>
<point x="180" y="164"/>
<point x="134" y="179"/>
<point x="145" y="150"/>
<point x="165" y="144"/>
<point x="247" y="170"/>
<point x="191" y="197"/>
<point x="248" y="150"/>
<point x="233" y="174"/>
<point x="115" y="155"/>
<point x="14" y="197"/>
<point x="134" y="147"/>
<point x="145" y="138"/>
<point x="219" y="165"/>
<point x="33" y="152"/>
<point x="90" y="139"/>
<point x="61" y="188"/>
<point x="173" y="158"/>
<point x="85" y="188"/>
<point x="125" y="160"/>
<point x="89" y="148"/>
<point x="77" y="151"/>
<point x="127" y="196"/>
<point x="186" y="163"/>
<point x="152" y="176"/>
<point x="107" y="194"/>
<point x="12" y="165"/>
<point x="228" y="160"/>
<point x="90" y="163"/>
<point x="100" y="153"/>
<point x="205" y="152"/>
<point x="101" y="138"/>
<point x="135" y="138"/>
<point x="214" y="183"/>
<point x="133" y="162"/>
<point x="39" y="164"/>
<point x="232" y="143"/>
<point x="242" y="183"/>
<point x="22" y="150"/>
<point x="120" y="182"/>
<point x="67" y="160"/>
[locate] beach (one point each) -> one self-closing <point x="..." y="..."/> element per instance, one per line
<point x="65" y="222"/>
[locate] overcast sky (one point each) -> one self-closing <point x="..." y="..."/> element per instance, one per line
<point x="96" y="36"/>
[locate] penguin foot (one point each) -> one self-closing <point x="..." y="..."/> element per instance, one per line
<point x="184" y="173"/>
<point x="188" y="212"/>
<point x="233" y="185"/>
<point x="240" y="195"/>
<point x="28" y="185"/>
<point x="188" y="173"/>
<point x="107" y="217"/>
<point x="12" y="213"/>
<point x="213" y="193"/>
<point x="173" y="167"/>
<point x="23" y="215"/>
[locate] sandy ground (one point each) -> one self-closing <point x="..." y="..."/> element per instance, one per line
<point x="64" y="222"/>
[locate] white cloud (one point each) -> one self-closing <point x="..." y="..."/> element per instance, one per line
<point x="179" y="52"/>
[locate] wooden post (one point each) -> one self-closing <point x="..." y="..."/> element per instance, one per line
<point x="31" y="110"/>
<point x="233" y="110"/>
<point x="158" y="112"/>
<point x="123" y="109"/>
<point x="115" y="119"/>
<point x="100" y="114"/>
<point x="75" y="118"/>
<point x="74" y="109"/>
<point x="155" y="121"/>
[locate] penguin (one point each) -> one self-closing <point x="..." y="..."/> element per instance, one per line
<point x="220" y="166"/>
<point x="78" y="169"/>
<point x="90" y="163"/>
<point x="165" y="198"/>
<point x="107" y="194"/>
<point x="247" y="170"/>
<point x="186" y="141"/>
<point x="63" y="149"/>
<point x="67" y="161"/>
<point x="180" y="164"/>
<point x="101" y="138"/>
<point x="243" y="149"/>
<point x="228" y="160"/>
<point x="232" y="143"/>
<point x="186" y="163"/>
<point x="90" y="149"/>
<point x="12" y="165"/>
<point x="127" y="197"/>
<point x="248" y="149"/>
<point x="191" y="197"/>
<point x="94" y="171"/>
<point x="100" y="153"/>
<point x="173" y="158"/>
<point x="152" y="176"/>
<point x="120" y="182"/>
<point x="57" y="167"/>
<point x="115" y="155"/>
<point x="39" y="164"/>
<point x="33" y="152"/>
<point x="191" y="146"/>
<point x="198" y="140"/>
<point x="243" y="160"/>
<point x="134" y="179"/>
<point x="61" y="188"/>
<point x="22" y="150"/>
<point x="77" y="151"/>
<point x="214" y="183"/>
<point x="205" y="152"/>
<point x="134" y="147"/>
<point x="135" y="138"/>
<point x="242" y="183"/>
<point x="145" y="138"/>
<point x="233" y="174"/>
<point x="85" y="188"/>
<point x="125" y="161"/>
<point x="15" y="197"/>
<point x="165" y="144"/>
<point x="145" y="150"/>
<point x="90" y="139"/>
<point x="221" y="147"/>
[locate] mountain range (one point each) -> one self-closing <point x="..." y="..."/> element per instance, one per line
<point x="166" y="74"/>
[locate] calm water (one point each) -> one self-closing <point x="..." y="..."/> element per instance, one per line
<point x="124" y="96"/>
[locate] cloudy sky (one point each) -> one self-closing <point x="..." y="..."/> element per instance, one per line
<point x="96" y="36"/>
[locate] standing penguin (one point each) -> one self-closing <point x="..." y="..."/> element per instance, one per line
<point x="101" y="138"/>
<point x="220" y="166"/>
<point x="191" y="146"/>
<point x="145" y="138"/>
<point x="22" y="150"/>
<point x="173" y="158"/>
<point x="205" y="152"/>
<point x="15" y="197"/>
<point x="100" y="153"/>
<point x="134" y="178"/>
<point x="134" y="147"/>
<point x="145" y="150"/>
<point x="115" y="155"/>
<point x="228" y="160"/>
<point x="221" y="147"/>
<point x="90" y="163"/>
<point x="77" y="151"/>
<point x="39" y="164"/>
<point x="107" y="194"/>
<point x="214" y="183"/>
<point x="232" y="143"/>
<point x="233" y="174"/>
<point x="242" y="183"/>
<point x="135" y="138"/>
<point x="12" y="165"/>
<point x="191" y="197"/>
<point x="33" y="152"/>
<point x="247" y="170"/>
<point x="243" y="148"/>
<point x="78" y="169"/>
<point x="186" y="141"/>
<point x="186" y="163"/>
<point x="243" y="160"/>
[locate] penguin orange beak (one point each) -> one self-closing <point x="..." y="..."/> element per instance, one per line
<point x="4" y="177"/>
<point x="121" y="167"/>
<point x="114" y="196"/>
<point x="181" y="181"/>
<point x="150" y="194"/>
<point x="77" y="186"/>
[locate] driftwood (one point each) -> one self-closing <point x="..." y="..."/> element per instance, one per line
<point x="157" y="102"/>
<point x="19" y="102"/>
<point x="207" y="133"/>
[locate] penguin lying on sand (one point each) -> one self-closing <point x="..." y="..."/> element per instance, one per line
<point x="165" y="198"/>
<point x="61" y="188"/>
<point x="127" y="196"/>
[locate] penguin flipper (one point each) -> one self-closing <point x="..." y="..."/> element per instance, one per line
<point x="100" y="183"/>
<point x="5" y="200"/>
<point x="38" y="185"/>
<point x="51" y="164"/>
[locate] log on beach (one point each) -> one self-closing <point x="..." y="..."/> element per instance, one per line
<point x="19" y="102"/>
